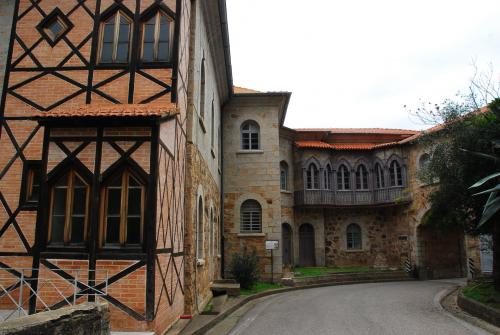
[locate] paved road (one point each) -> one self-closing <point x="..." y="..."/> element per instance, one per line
<point x="408" y="308"/>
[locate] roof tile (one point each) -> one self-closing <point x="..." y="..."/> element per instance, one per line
<point x="123" y="110"/>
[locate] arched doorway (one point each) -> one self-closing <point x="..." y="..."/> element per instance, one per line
<point x="306" y="245"/>
<point x="286" y="237"/>
<point x="441" y="254"/>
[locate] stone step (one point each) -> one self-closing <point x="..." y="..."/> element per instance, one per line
<point x="218" y="303"/>
<point x="231" y="289"/>
<point x="349" y="277"/>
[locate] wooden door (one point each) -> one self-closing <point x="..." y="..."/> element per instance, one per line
<point x="286" y="232"/>
<point x="306" y="245"/>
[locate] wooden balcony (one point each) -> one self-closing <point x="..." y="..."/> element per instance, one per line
<point x="385" y="196"/>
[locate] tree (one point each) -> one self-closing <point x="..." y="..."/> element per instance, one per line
<point x="458" y="151"/>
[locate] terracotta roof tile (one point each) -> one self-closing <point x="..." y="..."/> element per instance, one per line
<point x="242" y="90"/>
<point x="341" y="146"/>
<point x="361" y="130"/>
<point x="125" y="110"/>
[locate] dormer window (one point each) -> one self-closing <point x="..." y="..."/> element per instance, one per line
<point x="116" y="37"/>
<point x="157" y="37"/>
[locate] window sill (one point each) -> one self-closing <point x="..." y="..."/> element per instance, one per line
<point x="213" y="153"/>
<point x="355" y="250"/>
<point x="202" y="125"/>
<point x="250" y="151"/>
<point x="251" y="234"/>
<point x="200" y="262"/>
<point x="286" y="192"/>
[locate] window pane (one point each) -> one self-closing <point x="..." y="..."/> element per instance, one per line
<point x="77" y="229"/>
<point x="56" y="29"/>
<point x="134" y="201"/>
<point x="163" y="51"/>
<point x="122" y="52"/>
<point x="107" y="52"/>
<point x="124" y="31"/>
<point x="149" y="32"/>
<point x="113" y="230"/>
<point x="148" y="52"/>
<point x="109" y="31"/>
<point x="134" y="230"/>
<point x="79" y="200"/>
<point x="59" y="201"/>
<point x="57" y="231"/>
<point x="114" y="201"/>
<point x="164" y="29"/>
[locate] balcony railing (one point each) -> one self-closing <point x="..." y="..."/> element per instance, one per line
<point x="392" y="195"/>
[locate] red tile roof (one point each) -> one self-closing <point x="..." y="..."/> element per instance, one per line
<point x="125" y="110"/>
<point x="361" y="131"/>
<point x="243" y="90"/>
<point x="341" y="146"/>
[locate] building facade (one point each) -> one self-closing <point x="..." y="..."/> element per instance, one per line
<point x="131" y="169"/>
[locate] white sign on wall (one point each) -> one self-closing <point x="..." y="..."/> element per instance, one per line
<point x="272" y="244"/>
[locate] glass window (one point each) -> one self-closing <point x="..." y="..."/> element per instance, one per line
<point x="379" y="176"/>
<point x="396" y="174"/>
<point x="69" y="210"/>
<point x="312" y="175"/>
<point x="353" y="237"/>
<point x="124" y="210"/>
<point x="115" y="41"/>
<point x="55" y="28"/>
<point x="251" y="217"/>
<point x="32" y="181"/>
<point x="202" y="90"/>
<point x="328" y="178"/>
<point x="424" y="161"/>
<point x="362" y="178"/>
<point x="283" y="176"/>
<point x="199" y="229"/>
<point x="250" y="136"/>
<point x="343" y="178"/>
<point x="157" y="36"/>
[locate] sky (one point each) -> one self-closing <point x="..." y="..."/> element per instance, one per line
<point x="358" y="63"/>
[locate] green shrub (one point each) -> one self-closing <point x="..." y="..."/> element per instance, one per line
<point x="244" y="268"/>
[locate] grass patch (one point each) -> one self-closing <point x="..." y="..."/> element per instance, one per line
<point x="208" y="308"/>
<point x="320" y="271"/>
<point x="483" y="292"/>
<point x="260" y="287"/>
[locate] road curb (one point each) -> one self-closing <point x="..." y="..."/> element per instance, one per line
<point x="478" y="309"/>
<point x="202" y="330"/>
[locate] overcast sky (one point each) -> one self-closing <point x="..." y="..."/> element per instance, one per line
<point x="357" y="63"/>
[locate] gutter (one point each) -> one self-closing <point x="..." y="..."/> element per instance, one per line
<point x="226" y="46"/>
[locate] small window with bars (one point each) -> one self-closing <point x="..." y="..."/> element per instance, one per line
<point x="250" y="136"/>
<point x="251" y="217"/>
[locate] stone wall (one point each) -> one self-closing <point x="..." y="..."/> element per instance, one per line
<point x="252" y="174"/>
<point x="82" y="319"/>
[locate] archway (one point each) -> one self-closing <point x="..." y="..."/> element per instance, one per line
<point x="306" y="245"/>
<point x="286" y="232"/>
<point x="441" y="253"/>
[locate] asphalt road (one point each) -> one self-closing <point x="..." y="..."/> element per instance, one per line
<point x="409" y="308"/>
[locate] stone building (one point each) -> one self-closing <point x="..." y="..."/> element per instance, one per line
<point x="131" y="169"/>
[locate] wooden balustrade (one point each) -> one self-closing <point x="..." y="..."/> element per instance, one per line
<point x="392" y="195"/>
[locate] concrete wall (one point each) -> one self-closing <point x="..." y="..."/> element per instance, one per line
<point x="6" y="16"/>
<point x="252" y="174"/>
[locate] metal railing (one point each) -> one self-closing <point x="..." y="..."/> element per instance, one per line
<point x="17" y="289"/>
<point x="352" y="197"/>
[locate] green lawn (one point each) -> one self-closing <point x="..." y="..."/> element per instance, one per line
<point x="320" y="271"/>
<point x="260" y="287"/>
<point x="483" y="292"/>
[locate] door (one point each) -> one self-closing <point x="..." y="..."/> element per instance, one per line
<point x="306" y="245"/>
<point x="286" y="232"/>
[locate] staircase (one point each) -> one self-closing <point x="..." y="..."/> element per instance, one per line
<point x="348" y="278"/>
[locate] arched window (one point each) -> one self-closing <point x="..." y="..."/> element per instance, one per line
<point x="251" y="217"/>
<point x="69" y="207"/>
<point x="212" y="237"/>
<point x="124" y="199"/>
<point x="312" y="175"/>
<point x="283" y="176"/>
<point x="353" y="235"/>
<point x="362" y="178"/>
<point x="202" y="89"/>
<point x="157" y="37"/>
<point x="250" y="135"/>
<point x="328" y="178"/>
<point x="395" y="174"/>
<point x="379" y="176"/>
<point x="116" y="34"/>
<point x="199" y="229"/>
<point x="424" y="161"/>
<point x="212" y="132"/>
<point x="343" y="178"/>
